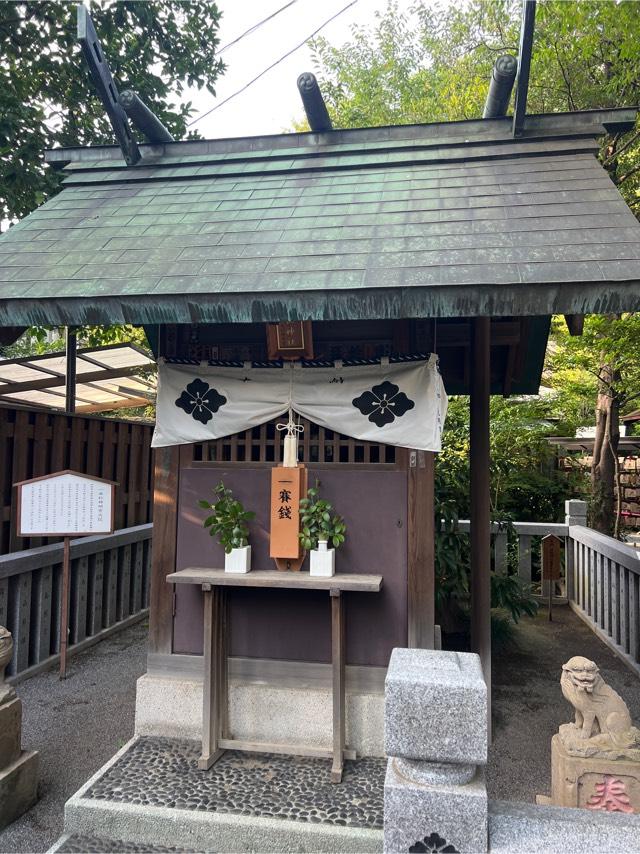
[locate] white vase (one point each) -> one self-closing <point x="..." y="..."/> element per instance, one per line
<point x="238" y="560"/>
<point x="323" y="560"/>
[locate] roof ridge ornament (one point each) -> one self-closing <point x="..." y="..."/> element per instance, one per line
<point x="144" y="119"/>
<point x="313" y="103"/>
<point x="105" y="84"/>
<point x="503" y="75"/>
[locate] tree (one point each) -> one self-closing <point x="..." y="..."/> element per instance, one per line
<point x="435" y="66"/>
<point x="603" y="363"/>
<point x="46" y="94"/>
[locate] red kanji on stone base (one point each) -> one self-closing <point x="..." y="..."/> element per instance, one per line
<point x="610" y="795"/>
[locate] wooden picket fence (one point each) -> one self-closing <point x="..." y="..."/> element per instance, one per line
<point x="36" y="442"/>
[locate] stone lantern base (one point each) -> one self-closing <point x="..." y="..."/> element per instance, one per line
<point x="18" y="768"/>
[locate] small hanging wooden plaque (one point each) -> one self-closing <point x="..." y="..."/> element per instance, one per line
<point x="288" y="486"/>
<point x="291" y="339"/>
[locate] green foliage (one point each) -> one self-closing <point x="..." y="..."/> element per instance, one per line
<point x="525" y="486"/>
<point x="39" y="340"/>
<point x="510" y="595"/>
<point x="574" y="364"/>
<point x="46" y="95"/>
<point x="434" y="65"/>
<point x="228" y="519"/>
<point x="317" y="523"/>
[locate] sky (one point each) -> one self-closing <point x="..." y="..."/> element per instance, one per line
<point x="272" y="103"/>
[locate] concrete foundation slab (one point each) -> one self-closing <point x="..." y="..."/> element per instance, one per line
<point x="172" y="708"/>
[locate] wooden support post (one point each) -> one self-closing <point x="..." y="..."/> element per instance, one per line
<point x="214" y="678"/>
<point x="338" y="668"/>
<point x="480" y="496"/>
<point x="421" y="536"/>
<point x="64" y="606"/>
<point x="163" y="554"/>
<point x="71" y="346"/>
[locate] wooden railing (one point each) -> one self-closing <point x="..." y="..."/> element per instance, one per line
<point x="109" y="589"/>
<point x="600" y="576"/>
<point x="528" y="535"/>
<point x="604" y="589"/>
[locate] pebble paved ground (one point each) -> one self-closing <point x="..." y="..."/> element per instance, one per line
<point x="77" y="725"/>
<point x="528" y="706"/>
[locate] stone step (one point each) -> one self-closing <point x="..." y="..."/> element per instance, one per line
<point x="75" y="843"/>
<point x="518" y="828"/>
<point x="152" y="792"/>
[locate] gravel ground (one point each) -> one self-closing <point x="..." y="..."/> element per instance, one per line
<point x="528" y="706"/>
<point x="76" y="725"/>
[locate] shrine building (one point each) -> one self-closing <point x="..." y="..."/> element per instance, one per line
<point x="376" y="246"/>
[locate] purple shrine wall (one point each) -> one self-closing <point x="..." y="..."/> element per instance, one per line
<point x="294" y="624"/>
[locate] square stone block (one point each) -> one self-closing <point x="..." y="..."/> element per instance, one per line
<point x="601" y="785"/>
<point x="436" y="706"/>
<point x="420" y="817"/>
<point x="18" y="787"/>
<point x="10" y="732"/>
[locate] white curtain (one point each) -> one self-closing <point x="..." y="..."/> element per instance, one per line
<point x="402" y="403"/>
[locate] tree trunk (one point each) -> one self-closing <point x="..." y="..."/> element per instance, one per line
<point x="604" y="468"/>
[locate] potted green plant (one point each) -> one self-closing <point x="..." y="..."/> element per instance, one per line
<point x="228" y="521"/>
<point x="318" y="527"/>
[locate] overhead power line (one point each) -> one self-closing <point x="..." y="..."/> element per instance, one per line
<point x="273" y="64"/>
<point x="256" y="26"/>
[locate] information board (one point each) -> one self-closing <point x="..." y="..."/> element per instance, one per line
<point x="65" y="504"/>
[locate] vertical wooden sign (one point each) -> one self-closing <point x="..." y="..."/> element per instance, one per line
<point x="288" y="486"/>
<point x="550" y="564"/>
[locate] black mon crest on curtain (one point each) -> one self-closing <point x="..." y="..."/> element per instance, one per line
<point x="401" y="403"/>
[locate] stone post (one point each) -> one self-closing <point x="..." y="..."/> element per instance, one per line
<point x="575" y="514"/>
<point x="18" y="768"/>
<point x="435" y="798"/>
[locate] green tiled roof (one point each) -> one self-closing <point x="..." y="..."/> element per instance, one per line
<point x="423" y="221"/>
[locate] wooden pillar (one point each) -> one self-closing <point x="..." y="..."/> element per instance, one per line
<point x="163" y="555"/>
<point x="71" y="346"/>
<point x="421" y="546"/>
<point x="480" y="516"/>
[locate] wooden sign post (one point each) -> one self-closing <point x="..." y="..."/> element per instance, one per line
<point x="550" y="564"/>
<point x="65" y="504"/>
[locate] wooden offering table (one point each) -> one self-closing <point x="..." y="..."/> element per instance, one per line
<point x="215" y="735"/>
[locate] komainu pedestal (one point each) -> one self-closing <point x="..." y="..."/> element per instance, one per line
<point x="595" y="760"/>
<point x="609" y="785"/>
<point x="18" y="768"/>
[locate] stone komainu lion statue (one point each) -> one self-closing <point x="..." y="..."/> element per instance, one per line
<point x="602" y="716"/>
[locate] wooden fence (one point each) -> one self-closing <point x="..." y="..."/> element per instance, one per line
<point x="604" y="590"/>
<point x="36" y="442"/>
<point x="527" y="544"/>
<point x="600" y="576"/>
<point x="109" y="588"/>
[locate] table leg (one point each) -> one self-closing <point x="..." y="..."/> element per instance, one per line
<point x="213" y="676"/>
<point x="337" y="664"/>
